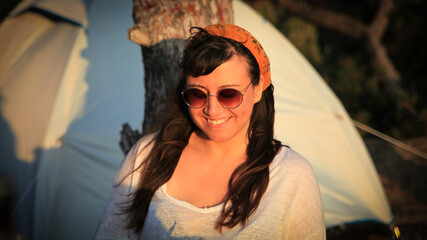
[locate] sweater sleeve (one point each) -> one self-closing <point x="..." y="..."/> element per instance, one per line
<point x="308" y="221"/>
<point x="113" y="222"/>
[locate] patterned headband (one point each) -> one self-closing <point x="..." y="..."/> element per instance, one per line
<point x="241" y="35"/>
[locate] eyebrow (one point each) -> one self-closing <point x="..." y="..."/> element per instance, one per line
<point x="221" y="87"/>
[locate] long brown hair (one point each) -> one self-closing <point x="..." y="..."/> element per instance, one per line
<point x="203" y="53"/>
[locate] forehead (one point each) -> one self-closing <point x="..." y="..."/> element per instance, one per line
<point x="234" y="72"/>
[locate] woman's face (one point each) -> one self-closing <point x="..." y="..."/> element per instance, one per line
<point x="216" y="122"/>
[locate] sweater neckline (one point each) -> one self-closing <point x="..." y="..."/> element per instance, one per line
<point x="186" y="204"/>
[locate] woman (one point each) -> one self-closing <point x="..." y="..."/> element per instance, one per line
<point x="212" y="169"/>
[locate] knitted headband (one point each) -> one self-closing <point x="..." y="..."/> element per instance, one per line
<point x="244" y="37"/>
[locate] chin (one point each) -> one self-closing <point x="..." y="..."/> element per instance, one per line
<point x="222" y="136"/>
<point x="219" y="139"/>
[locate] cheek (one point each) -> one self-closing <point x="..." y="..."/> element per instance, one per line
<point x="192" y="113"/>
<point x="245" y="110"/>
<point x="196" y="115"/>
<point x="250" y="101"/>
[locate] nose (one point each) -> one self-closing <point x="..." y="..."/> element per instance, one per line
<point x="213" y="107"/>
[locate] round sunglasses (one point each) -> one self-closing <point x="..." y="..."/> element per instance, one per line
<point x="228" y="97"/>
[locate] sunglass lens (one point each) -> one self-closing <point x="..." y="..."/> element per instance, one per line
<point x="195" y="97"/>
<point x="230" y="98"/>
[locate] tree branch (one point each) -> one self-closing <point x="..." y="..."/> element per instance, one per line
<point x="381" y="19"/>
<point x="321" y="17"/>
<point x="380" y="59"/>
<point x="349" y="26"/>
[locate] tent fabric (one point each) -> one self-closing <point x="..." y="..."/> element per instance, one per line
<point x="66" y="88"/>
<point x="73" y="11"/>
<point x="61" y="131"/>
<point x="28" y="96"/>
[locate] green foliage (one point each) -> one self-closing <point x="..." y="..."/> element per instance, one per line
<point x="304" y="36"/>
<point x="268" y="10"/>
<point x="344" y="64"/>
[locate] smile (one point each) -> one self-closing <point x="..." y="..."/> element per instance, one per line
<point x="217" y="122"/>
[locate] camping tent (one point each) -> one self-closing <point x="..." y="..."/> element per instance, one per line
<point x="69" y="78"/>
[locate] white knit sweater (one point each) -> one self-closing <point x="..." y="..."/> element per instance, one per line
<point x="291" y="207"/>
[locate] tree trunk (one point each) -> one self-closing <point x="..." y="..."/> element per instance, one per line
<point x="161" y="26"/>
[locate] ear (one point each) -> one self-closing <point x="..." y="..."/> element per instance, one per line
<point x="259" y="89"/>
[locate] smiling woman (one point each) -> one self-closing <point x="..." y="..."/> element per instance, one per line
<point x="215" y="121"/>
<point x="212" y="169"/>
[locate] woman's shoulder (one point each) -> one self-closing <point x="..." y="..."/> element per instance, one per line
<point x="143" y="142"/>
<point x="291" y="175"/>
<point x="135" y="157"/>
<point x="288" y="161"/>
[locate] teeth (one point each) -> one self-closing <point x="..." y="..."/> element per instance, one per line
<point x="216" y="122"/>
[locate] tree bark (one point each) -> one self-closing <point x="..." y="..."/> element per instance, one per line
<point x="349" y="26"/>
<point x="161" y="26"/>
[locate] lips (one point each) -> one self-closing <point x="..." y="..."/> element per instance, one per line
<point x="217" y="121"/>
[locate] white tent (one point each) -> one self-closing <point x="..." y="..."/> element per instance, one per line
<point x="68" y="81"/>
